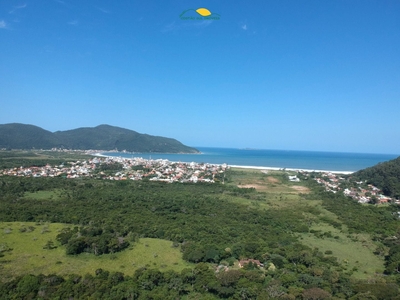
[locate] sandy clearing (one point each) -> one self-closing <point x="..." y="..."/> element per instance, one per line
<point x="248" y="186"/>
<point x="272" y="179"/>
<point x="300" y="188"/>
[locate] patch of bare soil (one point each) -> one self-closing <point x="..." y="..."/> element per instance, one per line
<point x="248" y="186"/>
<point x="301" y="189"/>
<point x="272" y="179"/>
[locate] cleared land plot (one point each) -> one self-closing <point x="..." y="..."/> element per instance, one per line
<point x="274" y="186"/>
<point x="15" y="158"/>
<point x="44" y="195"/>
<point x="15" y="154"/>
<point x="28" y="256"/>
<point x="273" y="181"/>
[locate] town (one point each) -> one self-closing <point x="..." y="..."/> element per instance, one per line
<point x="117" y="168"/>
<point x="137" y="168"/>
<point x="358" y="190"/>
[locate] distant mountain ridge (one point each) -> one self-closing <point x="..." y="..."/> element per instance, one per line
<point x="102" y="137"/>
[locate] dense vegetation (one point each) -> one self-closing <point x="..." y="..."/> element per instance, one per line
<point x="214" y="225"/>
<point x="103" y="137"/>
<point x="385" y="176"/>
<point x="191" y="213"/>
<point x="21" y="136"/>
<point x="198" y="283"/>
<point x="16" y="159"/>
<point x="91" y="239"/>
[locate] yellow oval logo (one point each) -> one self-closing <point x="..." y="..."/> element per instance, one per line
<point x="203" y="12"/>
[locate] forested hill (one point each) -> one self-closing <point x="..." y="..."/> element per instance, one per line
<point x="385" y="176"/>
<point x="102" y="137"/>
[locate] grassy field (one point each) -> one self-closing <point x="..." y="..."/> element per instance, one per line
<point x="28" y="256"/>
<point x="39" y="154"/>
<point x="44" y="195"/>
<point x="274" y="188"/>
<point x="354" y="252"/>
<point x="18" y="158"/>
<point x="274" y="182"/>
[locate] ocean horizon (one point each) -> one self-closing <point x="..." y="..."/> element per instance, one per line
<point x="281" y="159"/>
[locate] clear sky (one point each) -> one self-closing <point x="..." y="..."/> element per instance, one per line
<point x="292" y="75"/>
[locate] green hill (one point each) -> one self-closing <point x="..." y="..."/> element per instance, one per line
<point x="103" y="137"/>
<point x="21" y="136"/>
<point x="385" y="176"/>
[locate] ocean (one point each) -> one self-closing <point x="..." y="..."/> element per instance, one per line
<point x="306" y="160"/>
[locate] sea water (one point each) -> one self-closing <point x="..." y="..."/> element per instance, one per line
<point x="306" y="160"/>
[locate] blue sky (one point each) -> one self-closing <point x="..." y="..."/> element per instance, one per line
<point x="292" y="75"/>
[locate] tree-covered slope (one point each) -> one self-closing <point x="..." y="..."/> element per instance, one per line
<point x="21" y="136"/>
<point x="111" y="137"/>
<point x="104" y="137"/>
<point x="385" y="176"/>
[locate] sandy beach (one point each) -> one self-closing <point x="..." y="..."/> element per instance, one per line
<point x="291" y="169"/>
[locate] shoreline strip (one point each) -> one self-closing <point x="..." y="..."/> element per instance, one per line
<point x="253" y="167"/>
<point x="291" y="169"/>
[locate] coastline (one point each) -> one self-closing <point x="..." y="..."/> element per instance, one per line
<point x="100" y="155"/>
<point x="291" y="169"/>
<point x="252" y="167"/>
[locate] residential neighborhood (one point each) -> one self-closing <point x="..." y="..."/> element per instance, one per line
<point x="117" y="168"/>
<point x="358" y="190"/>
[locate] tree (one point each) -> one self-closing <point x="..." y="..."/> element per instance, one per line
<point x="75" y="246"/>
<point x="28" y="286"/>
<point x="315" y="294"/>
<point x="49" y="245"/>
<point x="229" y="278"/>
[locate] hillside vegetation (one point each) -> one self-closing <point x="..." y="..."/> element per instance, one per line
<point x="102" y="137"/>
<point x="385" y="176"/>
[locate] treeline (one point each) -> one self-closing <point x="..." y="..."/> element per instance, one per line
<point x="385" y="176"/>
<point x="201" y="282"/>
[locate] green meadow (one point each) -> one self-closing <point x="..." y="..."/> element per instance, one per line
<point x="353" y="251"/>
<point x="44" y="195"/>
<point x="23" y="243"/>
<point x="12" y="159"/>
